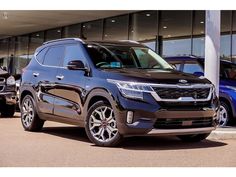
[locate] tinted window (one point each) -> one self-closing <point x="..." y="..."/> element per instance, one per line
<point x="229" y="71"/>
<point x="40" y="55"/>
<point x="54" y="56"/>
<point x="192" y="67"/>
<point x="73" y="52"/>
<point x="126" y="57"/>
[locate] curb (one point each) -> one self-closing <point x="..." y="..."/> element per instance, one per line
<point x="223" y="134"/>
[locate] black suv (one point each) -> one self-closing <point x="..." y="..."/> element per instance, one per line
<point x="114" y="89"/>
<point x="7" y="94"/>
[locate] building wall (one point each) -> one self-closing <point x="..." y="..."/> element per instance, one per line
<point x="170" y="33"/>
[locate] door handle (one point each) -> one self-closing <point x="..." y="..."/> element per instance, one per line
<point x="35" y="74"/>
<point x="60" y="77"/>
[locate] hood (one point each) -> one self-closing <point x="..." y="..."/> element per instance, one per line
<point x="4" y="74"/>
<point x="155" y="76"/>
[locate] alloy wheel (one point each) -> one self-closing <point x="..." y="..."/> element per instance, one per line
<point x="102" y="124"/>
<point x="27" y="112"/>
<point x="223" y="119"/>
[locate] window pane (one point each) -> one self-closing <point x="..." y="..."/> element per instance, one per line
<point x="72" y="30"/>
<point x="53" y="34"/>
<point x="73" y="52"/>
<point x="4" y="52"/>
<point x="150" y="44"/>
<point x="92" y="30"/>
<point x="234" y="38"/>
<point x="11" y="67"/>
<point x="41" y="54"/>
<point x="199" y="34"/>
<point x="21" y="55"/>
<point x="36" y="40"/>
<point x="175" y="31"/>
<point x="192" y="67"/>
<point x="225" y="35"/>
<point x="116" y="28"/>
<point x="143" y="26"/>
<point x="54" y="56"/>
<point x="178" y="47"/>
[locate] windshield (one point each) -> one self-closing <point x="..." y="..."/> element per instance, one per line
<point x="107" y="56"/>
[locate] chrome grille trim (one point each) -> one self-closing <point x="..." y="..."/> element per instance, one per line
<point x="182" y="99"/>
<point x="2" y="80"/>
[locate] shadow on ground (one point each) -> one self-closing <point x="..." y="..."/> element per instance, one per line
<point x="135" y="143"/>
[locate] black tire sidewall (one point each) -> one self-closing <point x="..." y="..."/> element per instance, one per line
<point x="114" y="142"/>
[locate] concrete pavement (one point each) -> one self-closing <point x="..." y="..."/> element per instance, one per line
<point x="68" y="146"/>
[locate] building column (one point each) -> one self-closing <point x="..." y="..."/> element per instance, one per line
<point x="212" y="47"/>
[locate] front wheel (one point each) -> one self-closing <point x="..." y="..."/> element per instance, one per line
<point x="29" y="116"/>
<point x="193" y="138"/>
<point x="101" y="126"/>
<point x="224" y="114"/>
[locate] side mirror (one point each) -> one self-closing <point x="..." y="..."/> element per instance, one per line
<point x="198" y="74"/>
<point x="76" y="65"/>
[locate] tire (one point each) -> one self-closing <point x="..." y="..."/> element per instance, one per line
<point x="225" y="113"/>
<point x="102" y="131"/>
<point x="193" y="138"/>
<point x="9" y="111"/>
<point x="29" y="116"/>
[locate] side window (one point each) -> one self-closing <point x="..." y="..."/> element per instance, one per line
<point x="73" y="52"/>
<point x="192" y="67"/>
<point x="54" y="56"/>
<point x="230" y="71"/>
<point x="41" y="54"/>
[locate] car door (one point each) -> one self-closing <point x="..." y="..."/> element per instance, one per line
<point x="44" y="77"/>
<point x="70" y="85"/>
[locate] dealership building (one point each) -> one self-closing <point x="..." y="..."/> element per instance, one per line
<point x="169" y="33"/>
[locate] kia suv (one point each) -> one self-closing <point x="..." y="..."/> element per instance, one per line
<point x="113" y="90"/>
<point x="227" y="96"/>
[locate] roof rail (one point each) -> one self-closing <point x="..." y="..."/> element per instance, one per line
<point x="136" y="42"/>
<point x="63" y="39"/>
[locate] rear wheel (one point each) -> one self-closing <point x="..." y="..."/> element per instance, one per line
<point x="193" y="138"/>
<point x="101" y="125"/>
<point x="224" y="114"/>
<point x="29" y="116"/>
<point x="9" y="111"/>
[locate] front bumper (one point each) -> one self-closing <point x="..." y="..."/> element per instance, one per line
<point x="8" y="97"/>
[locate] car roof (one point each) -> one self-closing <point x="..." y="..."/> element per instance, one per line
<point x="191" y="58"/>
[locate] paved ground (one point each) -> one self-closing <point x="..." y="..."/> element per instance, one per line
<point x="63" y="145"/>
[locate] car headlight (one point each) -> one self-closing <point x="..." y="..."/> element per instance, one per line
<point x="11" y="80"/>
<point x="133" y="90"/>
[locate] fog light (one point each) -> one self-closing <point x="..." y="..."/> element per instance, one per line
<point x="130" y="116"/>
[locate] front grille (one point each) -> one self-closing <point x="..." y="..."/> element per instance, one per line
<point x="176" y="123"/>
<point x="175" y="93"/>
<point x="1" y="88"/>
<point x="2" y="80"/>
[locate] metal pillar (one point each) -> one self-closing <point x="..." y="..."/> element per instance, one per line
<point x="212" y="47"/>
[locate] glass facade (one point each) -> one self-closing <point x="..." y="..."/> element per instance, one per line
<point x="116" y="28"/>
<point x="169" y="33"/>
<point x="92" y="30"/>
<point x="175" y="31"/>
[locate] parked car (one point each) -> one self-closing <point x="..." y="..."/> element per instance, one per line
<point x="194" y="65"/>
<point x="7" y="94"/>
<point x="114" y="89"/>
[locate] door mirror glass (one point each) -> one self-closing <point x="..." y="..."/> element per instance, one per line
<point x="76" y="65"/>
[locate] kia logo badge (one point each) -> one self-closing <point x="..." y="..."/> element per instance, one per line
<point x="183" y="81"/>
